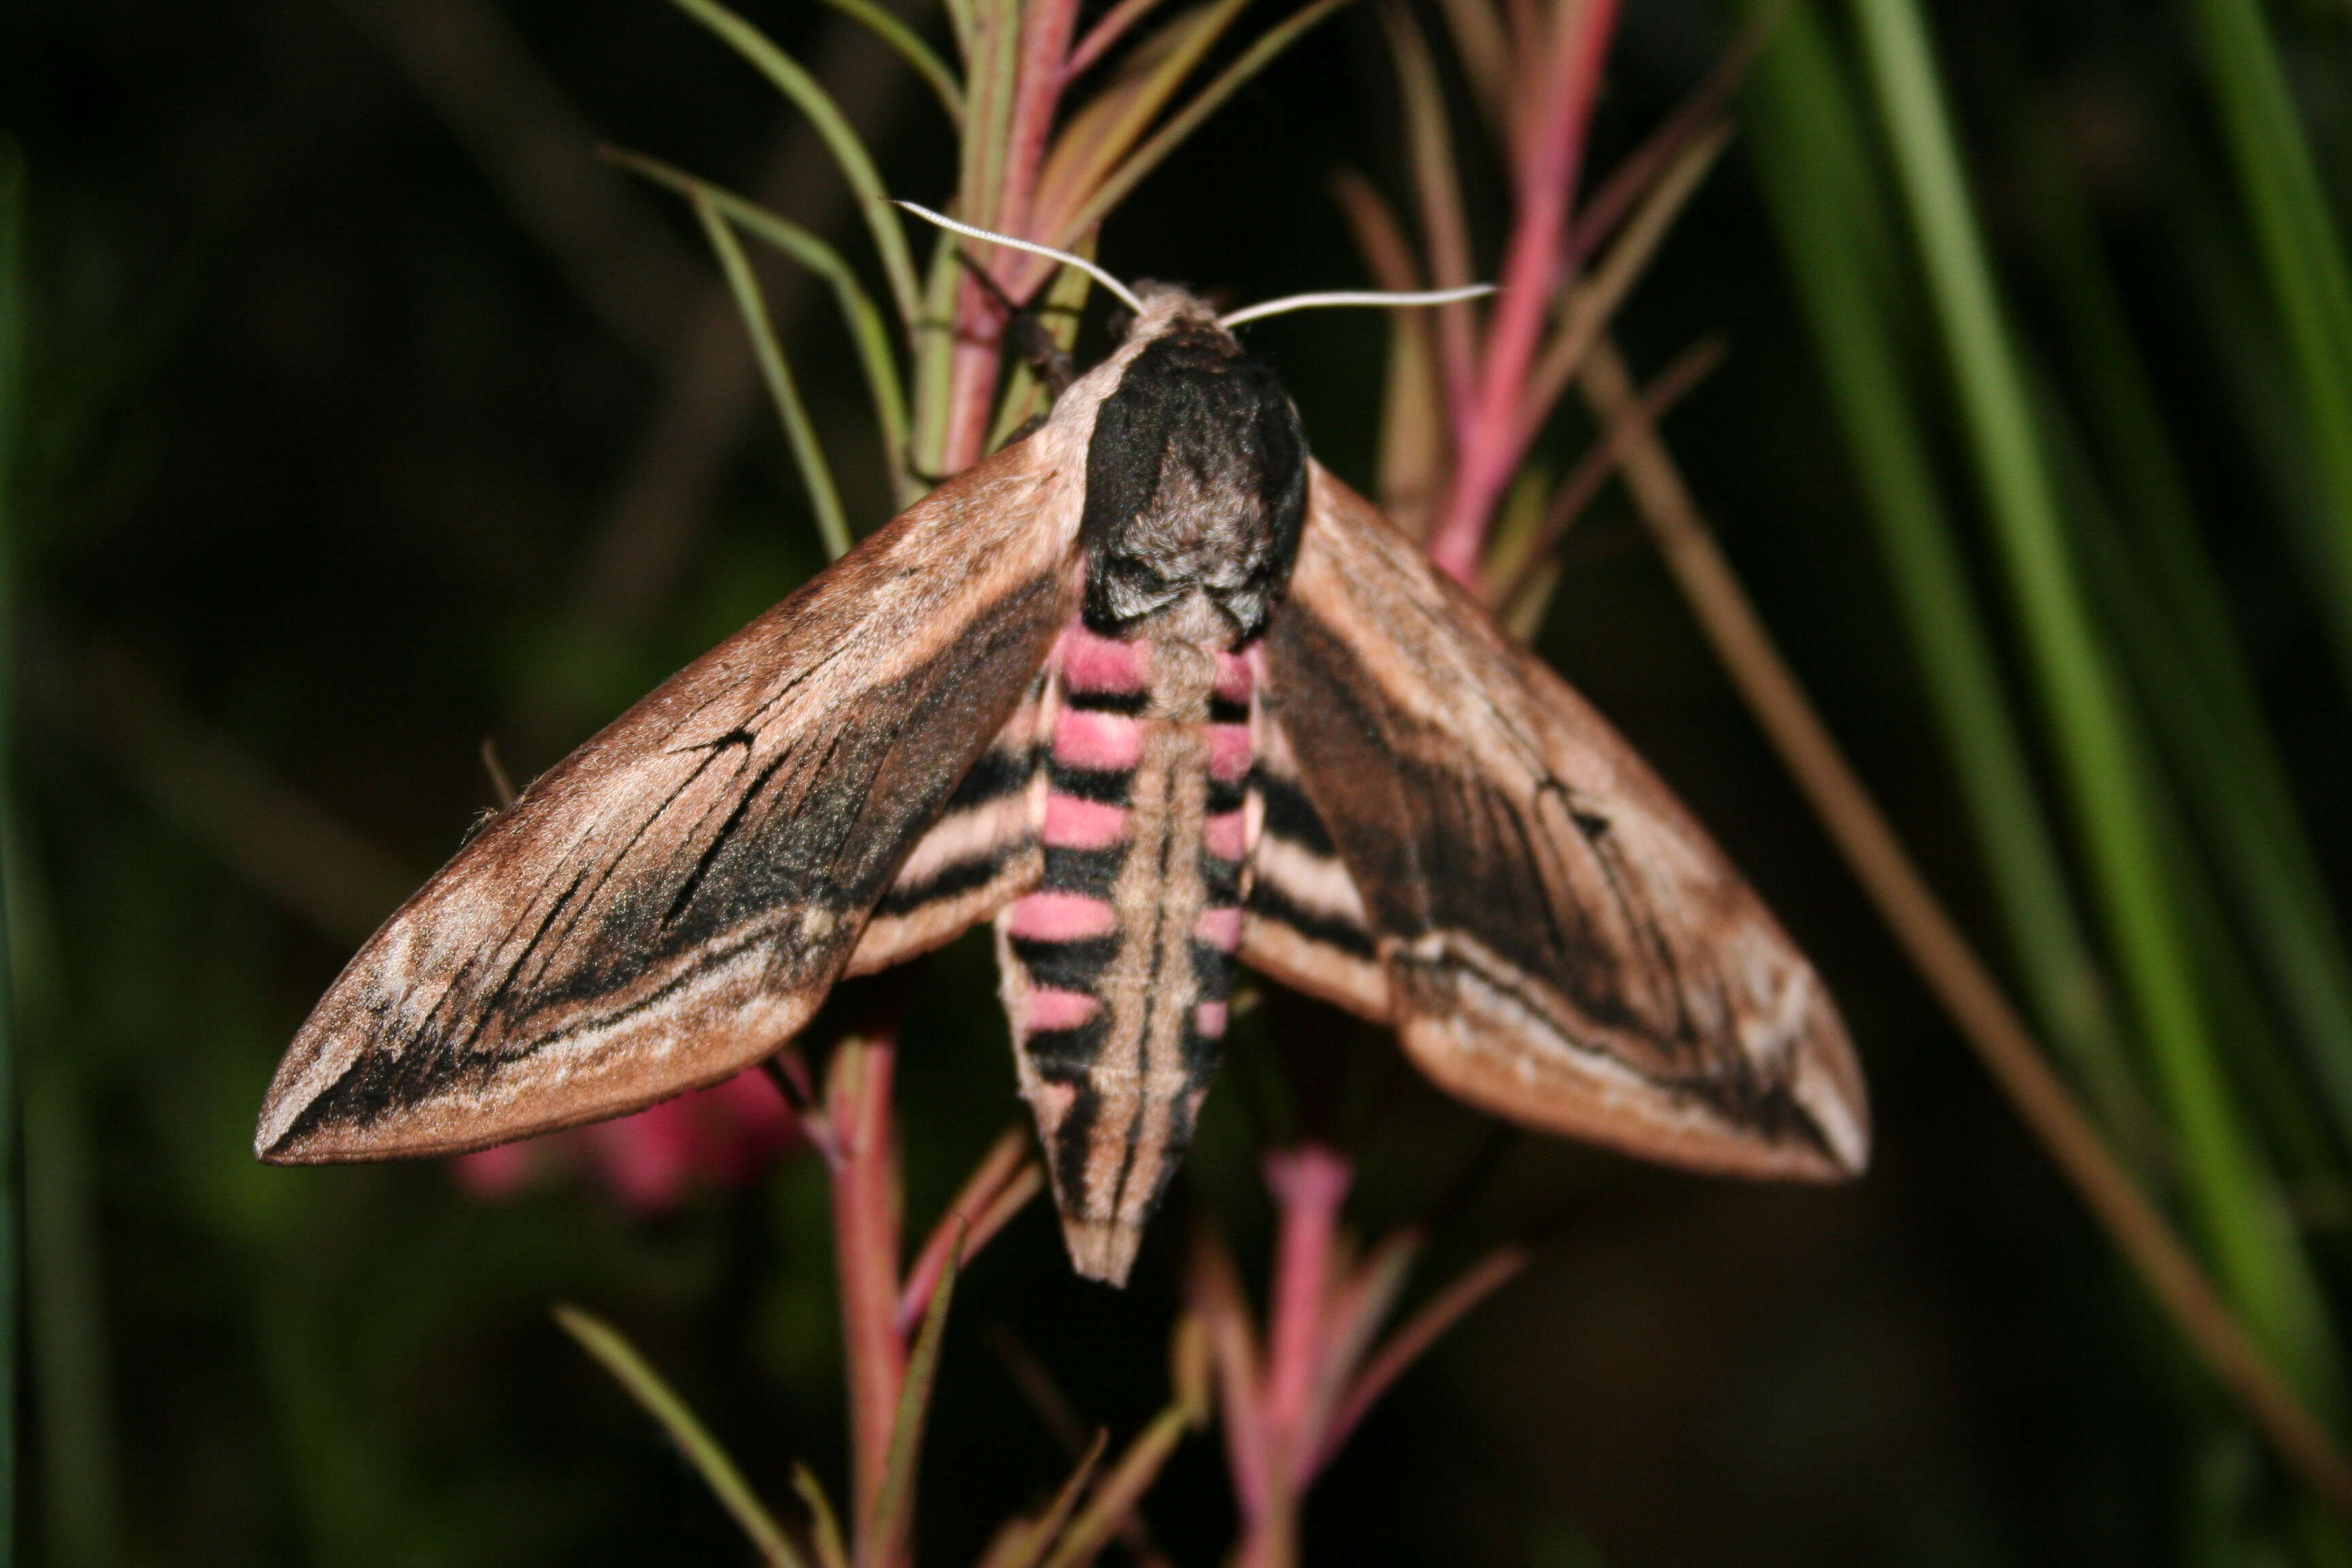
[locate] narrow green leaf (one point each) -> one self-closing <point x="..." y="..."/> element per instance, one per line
<point x="2100" y="755"/>
<point x="1807" y="137"/>
<point x="830" y="1551"/>
<point x="911" y="48"/>
<point x="1118" y="1493"/>
<point x="620" y="1358"/>
<point x="2199" y="688"/>
<point x="1041" y="1534"/>
<point x="1170" y="136"/>
<point x="2305" y="259"/>
<point x="830" y="526"/>
<point x="891" y="1525"/>
<point x="848" y="151"/>
<point x="867" y="327"/>
<point x="959" y="21"/>
<point x="934" y="362"/>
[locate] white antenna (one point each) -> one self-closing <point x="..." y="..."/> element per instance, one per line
<point x="1126" y="295"/>
<point x="1350" y="297"/>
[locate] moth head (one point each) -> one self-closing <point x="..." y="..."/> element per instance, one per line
<point x="1196" y="466"/>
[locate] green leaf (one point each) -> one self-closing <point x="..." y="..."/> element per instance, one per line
<point x="911" y="48"/>
<point x="1809" y="143"/>
<point x="2305" y="262"/>
<point x="2100" y="755"/>
<point x="864" y="319"/>
<point x="848" y="151"/>
<point x="620" y="1358"/>
<point x="830" y="526"/>
<point x="830" y="1552"/>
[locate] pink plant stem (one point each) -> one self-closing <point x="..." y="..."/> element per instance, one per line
<point x="1308" y="1184"/>
<point x="1045" y="29"/>
<point x="975" y="1214"/>
<point x="865" y="1253"/>
<point x="1549" y="151"/>
<point x="1486" y="1277"/>
<point x="1104" y="34"/>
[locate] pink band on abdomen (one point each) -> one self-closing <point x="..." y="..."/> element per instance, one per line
<point x="1049" y="1009"/>
<point x="1061" y="917"/>
<point x="1220" y="929"/>
<point x="1105" y="742"/>
<point x="1075" y="824"/>
<point x="1095" y="664"/>
<point x="1229" y="752"/>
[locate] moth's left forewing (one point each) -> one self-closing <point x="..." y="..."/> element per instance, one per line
<point x="1563" y="943"/>
<point x="670" y="904"/>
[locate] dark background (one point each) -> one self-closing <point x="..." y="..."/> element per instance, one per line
<point x="328" y="474"/>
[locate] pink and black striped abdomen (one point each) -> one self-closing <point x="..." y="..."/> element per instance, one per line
<point x="1119" y="969"/>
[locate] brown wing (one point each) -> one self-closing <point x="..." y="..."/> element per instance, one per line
<point x="671" y="902"/>
<point x="1563" y="945"/>
<point x="1302" y="919"/>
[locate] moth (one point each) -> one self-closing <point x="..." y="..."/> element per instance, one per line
<point x="1158" y="695"/>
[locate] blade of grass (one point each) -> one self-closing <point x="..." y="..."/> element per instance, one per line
<point x="848" y="151"/>
<point x="1413" y="407"/>
<point x="1701" y="109"/>
<point x="1121" y="1490"/>
<point x="1419" y="1332"/>
<point x="935" y="363"/>
<point x="825" y="1534"/>
<point x="999" y="1171"/>
<point x="1041" y="1535"/>
<point x="889" y="1532"/>
<point x="1147" y="157"/>
<point x="1437" y="194"/>
<point x="867" y="329"/>
<point x="1809" y="146"/>
<point x="1596" y="299"/>
<point x="2201" y="691"/>
<point x="832" y="527"/>
<point x="2154" y="654"/>
<point x="993" y="75"/>
<point x="1104" y="34"/>
<point x="2100" y="753"/>
<point x="2304" y="257"/>
<point x="1480" y="44"/>
<point x="911" y="48"/>
<point x="1942" y="955"/>
<point x="618" y="1356"/>
<point x="1511" y="559"/>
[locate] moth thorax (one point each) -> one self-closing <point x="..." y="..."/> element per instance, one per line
<point x="1196" y="484"/>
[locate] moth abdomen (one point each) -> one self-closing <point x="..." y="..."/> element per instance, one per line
<point x="1119" y="966"/>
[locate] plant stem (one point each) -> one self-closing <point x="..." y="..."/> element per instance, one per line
<point x="1550" y="155"/>
<point x="865" y="1249"/>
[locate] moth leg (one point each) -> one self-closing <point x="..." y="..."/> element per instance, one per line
<point x="1025" y="326"/>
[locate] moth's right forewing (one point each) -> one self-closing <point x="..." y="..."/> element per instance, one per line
<point x="671" y="902"/>
<point x="1563" y="943"/>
